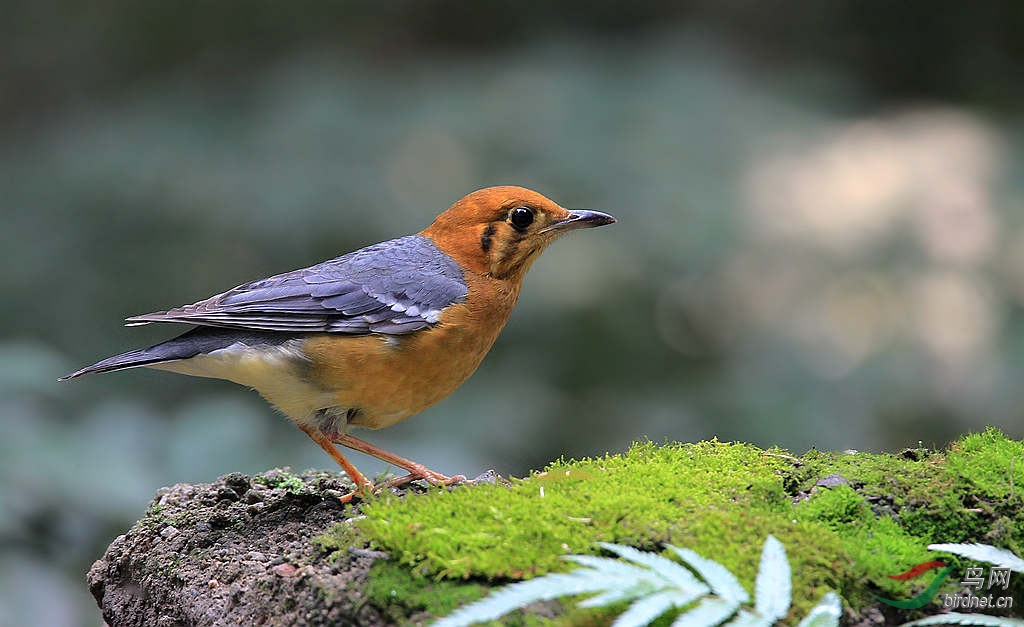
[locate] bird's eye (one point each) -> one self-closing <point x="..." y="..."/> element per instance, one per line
<point x="521" y="217"/>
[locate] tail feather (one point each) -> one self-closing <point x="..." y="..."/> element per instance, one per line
<point x="185" y="346"/>
<point x="167" y="351"/>
<point x="131" y="359"/>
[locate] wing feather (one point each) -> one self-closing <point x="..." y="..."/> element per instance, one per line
<point x="393" y="288"/>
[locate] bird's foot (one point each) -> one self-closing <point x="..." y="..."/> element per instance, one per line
<point x="360" y="492"/>
<point x="433" y="478"/>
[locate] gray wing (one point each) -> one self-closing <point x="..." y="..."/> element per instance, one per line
<point x="394" y="287"/>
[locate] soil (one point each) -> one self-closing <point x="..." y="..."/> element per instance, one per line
<point x="236" y="552"/>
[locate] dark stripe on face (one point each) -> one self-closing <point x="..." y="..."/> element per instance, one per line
<point x="511" y="245"/>
<point x="485" y="239"/>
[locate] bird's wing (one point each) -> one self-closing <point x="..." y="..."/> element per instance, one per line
<point x="394" y="287"/>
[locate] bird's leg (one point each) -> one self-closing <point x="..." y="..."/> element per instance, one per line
<point x="416" y="471"/>
<point x="361" y="482"/>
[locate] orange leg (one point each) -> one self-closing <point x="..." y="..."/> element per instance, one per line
<point x="361" y="482"/>
<point x="416" y="471"/>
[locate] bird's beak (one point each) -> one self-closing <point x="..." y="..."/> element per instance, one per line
<point x="581" y="219"/>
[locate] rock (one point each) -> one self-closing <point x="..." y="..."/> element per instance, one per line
<point x="832" y="481"/>
<point x="237" y="481"/>
<point x="169" y="532"/>
<point x="227" y="494"/>
<point x="244" y="557"/>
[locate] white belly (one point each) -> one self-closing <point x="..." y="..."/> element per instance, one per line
<point x="276" y="372"/>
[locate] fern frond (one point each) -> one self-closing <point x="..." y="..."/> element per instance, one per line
<point x="983" y="553"/>
<point x="718" y="577"/>
<point x="708" y="613"/>
<point x="748" y="619"/>
<point x="671" y="572"/>
<point x="774" y="586"/>
<point x="616" y="568"/>
<point x="627" y="592"/>
<point x="826" y="613"/>
<point x="646" y="610"/>
<point x="517" y="595"/>
<point x="655" y="585"/>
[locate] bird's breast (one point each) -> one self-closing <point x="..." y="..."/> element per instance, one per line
<point x="389" y="378"/>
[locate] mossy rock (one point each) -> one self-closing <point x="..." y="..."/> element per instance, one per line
<point x="847" y="520"/>
<point x="281" y="549"/>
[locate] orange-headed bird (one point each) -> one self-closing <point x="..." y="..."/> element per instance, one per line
<point x="372" y="337"/>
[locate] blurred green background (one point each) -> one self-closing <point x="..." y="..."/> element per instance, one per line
<point x="820" y="238"/>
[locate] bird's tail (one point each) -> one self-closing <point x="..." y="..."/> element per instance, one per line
<point x="185" y="346"/>
<point x="180" y="347"/>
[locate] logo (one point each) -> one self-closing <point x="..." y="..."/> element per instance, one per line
<point x="974" y="581"/>
<point x="926" y="596"/>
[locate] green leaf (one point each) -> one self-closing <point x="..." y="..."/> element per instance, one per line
<point x="627" y="591"/>
<point x="670" y="571"/>
<point x="825" y="614"/>
<point x="748" y="619"/>
<point x="656" y="585"/>
<point x="646" y="610"/>
<point x="517" y="595"/>
<point x="722" y="582"/>
<point x="774" y="587"/>
<point x="609" y="567"/>
<point x="710" y="612"/>
<point x="1000" y="558"/>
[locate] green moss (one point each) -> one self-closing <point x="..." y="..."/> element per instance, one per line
<point x="719" y="499"/>
<point x="884" y="479"/>
<point x="815" y="554"/>
<point x="400" y="592"/>
<point x="872" y="545"/>
<point x="956" y="496"/>
<point x="836" y="507"/>
<point x="990" y="464"/>
<point x="641" y="498"/>
<point x="336" y="540"/>
<point x="682" y="494"/>
<point x="281" y="479"/>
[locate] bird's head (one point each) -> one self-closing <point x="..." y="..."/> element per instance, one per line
<point x="499" y="231"/>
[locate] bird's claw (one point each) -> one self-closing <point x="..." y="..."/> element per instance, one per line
<point x="431" y="477"/>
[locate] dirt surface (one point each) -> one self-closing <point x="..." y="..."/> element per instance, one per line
<point x="236" y="552"/>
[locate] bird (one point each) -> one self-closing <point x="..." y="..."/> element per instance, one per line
<point x="374" y="336"/>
